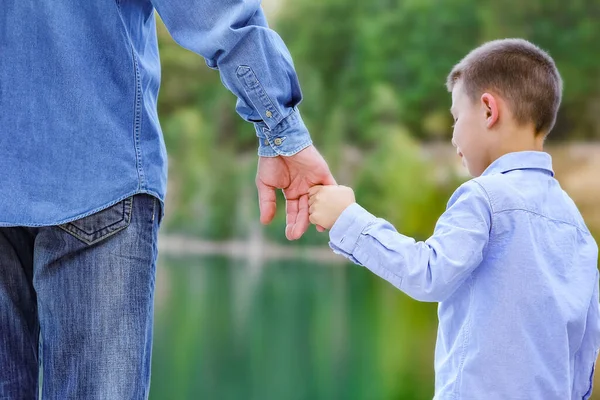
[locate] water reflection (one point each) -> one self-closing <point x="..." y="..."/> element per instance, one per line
<point x="291" y="329"/>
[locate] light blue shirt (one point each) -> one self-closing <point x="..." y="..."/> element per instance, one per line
<point x="79" y="81"/>
<point x="514" y="269"/>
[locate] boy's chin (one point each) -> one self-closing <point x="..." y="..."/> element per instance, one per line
<point x="474" y="174"/>
<point x="470" y="170"/>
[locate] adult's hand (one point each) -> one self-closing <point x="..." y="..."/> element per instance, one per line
<point x="295" y="175"/>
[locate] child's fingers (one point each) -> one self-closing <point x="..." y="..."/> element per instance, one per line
<point x="314" y="190"/>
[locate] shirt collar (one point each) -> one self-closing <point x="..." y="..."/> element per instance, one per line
<point x="521" y="160"/>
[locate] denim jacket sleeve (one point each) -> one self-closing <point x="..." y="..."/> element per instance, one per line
<point x="234" y="38"/>
<point x="427" y="271"/>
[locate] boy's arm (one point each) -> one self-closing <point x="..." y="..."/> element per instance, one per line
<point x="234" y="38"/>
<point x="428" y="271"/>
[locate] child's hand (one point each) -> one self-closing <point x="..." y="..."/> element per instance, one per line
<point x="326" y="203"/>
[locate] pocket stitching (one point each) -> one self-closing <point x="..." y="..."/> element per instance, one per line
<point x="82" y="235"/>
<point x="124" y="204"/>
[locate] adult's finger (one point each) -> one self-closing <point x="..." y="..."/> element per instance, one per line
<point x="291" y="213"/>
<point x="267" y="203"/>
<point x="296" y="217"/>
<point x="302" y="222"/>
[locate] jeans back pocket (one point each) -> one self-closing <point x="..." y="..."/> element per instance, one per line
<point x="100" y="225"/>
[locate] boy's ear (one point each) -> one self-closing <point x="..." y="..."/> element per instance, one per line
<point x="490" y="108"/>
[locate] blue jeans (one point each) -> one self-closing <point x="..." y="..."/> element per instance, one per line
<point x="86" y="290"/>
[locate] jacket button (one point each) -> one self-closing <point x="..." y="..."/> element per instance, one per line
<point x="269" y="114"/>
<point x="278" y="142"/>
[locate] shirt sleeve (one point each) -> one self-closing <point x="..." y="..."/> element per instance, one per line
<point x="234" y="38"/>
<point x="429" y="270"/>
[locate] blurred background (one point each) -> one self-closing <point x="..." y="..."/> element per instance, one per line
<point x="243" y="314"/>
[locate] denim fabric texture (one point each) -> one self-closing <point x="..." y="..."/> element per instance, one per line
<point x="79" y="82"/>
<point x="86" y="289"/>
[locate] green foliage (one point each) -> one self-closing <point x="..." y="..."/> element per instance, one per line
<point x="397" y="183"/>
<point x="350" y="46"/>
<point x="373" y="77"/>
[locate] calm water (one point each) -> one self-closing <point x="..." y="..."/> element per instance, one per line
<point x="287" y="330"/>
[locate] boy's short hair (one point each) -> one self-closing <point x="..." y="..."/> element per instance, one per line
<point x="519" y="71"/>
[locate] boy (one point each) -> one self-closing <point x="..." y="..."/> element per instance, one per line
<point x="511" y="261"/>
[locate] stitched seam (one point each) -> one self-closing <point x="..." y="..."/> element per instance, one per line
<point x="127" y="203"/>
<point x="100" y="234"/>
<point x="489" y="198"/>
<point x="285" y="123"/>
<point x="467" y="336"/>
<point x="89" y="239"/>
<point x="137" y="105"/>
<point x="544" y="216"/>
<point x="343" y="239"/>
<point x="70" y="227"/>
<point x="97" y="239"/>
<point x="493" y="214"/>
<point x="94" y="211"/>
<point x="361" y="234"/>
<point x="591" y="378"/>
<point x="392" y="272"/>
<point x="379" y="264"/>
<point x="259" y="91"/>
<point x="4" y="224"/>
<point x="295" y="149"/>
<point x="138" y="121"/>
